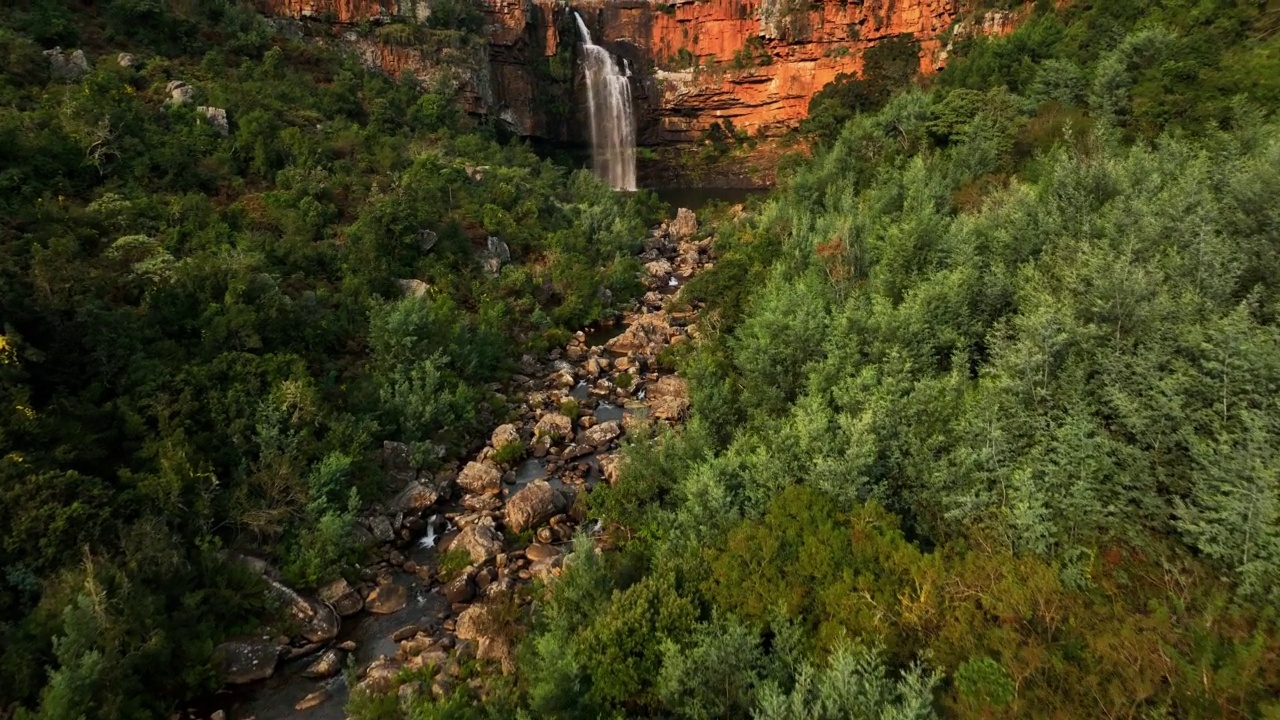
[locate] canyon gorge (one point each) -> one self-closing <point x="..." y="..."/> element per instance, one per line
<point x="750" y="65"/>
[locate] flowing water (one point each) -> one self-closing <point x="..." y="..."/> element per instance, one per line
<point x="613" y="126"/>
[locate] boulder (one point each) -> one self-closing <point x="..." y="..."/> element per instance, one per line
<point x="126" y="60"/>
<point x="246" y="661"/>
<point x="381" y="528"/>
<point x="344" y="599"/>
<point x="386" y="599"/>
<point x="538" y="552"/>
<point x="427" y="239"/>
<point x="180" y="93"/>
<point x="317" y="621"/>
<point x="668" y="398"/>
<point x="610" y="465"/>
<point x="396" y="456"/>
<point x="327" y="665"/>
<point x="67" y="66"/>
<point x="504" y="435"/>
<point x="658" y="268"/>
<point x="603" y="434"/>
<point x="410" y="287"/>
<point x="474" y="624"/>
<point x="533" y="505"/>
<point x="554" y="425"/>
<point x="312" y="700"/>
<point x="481" y="540"/>
<point x="217" y="117"/>
<point x="480" y="478"/>
<point x="380" y="677"/>
<point x="684" y="226"/>
<point x="406" y="632"/>
<point x="459" y="589"/>
<point x="499" y="249"/>
<point x="416" y="498"/>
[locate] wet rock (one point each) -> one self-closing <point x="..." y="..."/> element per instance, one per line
<point x="246" y="661"/>
<point x="416" y="498"/>
<point x="480" y="478"/>
<point x="603" y="434"/>
<point x="647" y="333"/>
<point x="386" y="599"/>
<point x="312" y="700"/>
<point x="459" y="589"/>
<point x="533" y="505"/>
<point x="504" y="435"/>
<point x="684" y="226"/>
<point x="406" y="632"/>
<point x="554" y="425"/>
<point x="292" y="653"/>
<point x="326" y="666"/>
<point x="481" y="540"/>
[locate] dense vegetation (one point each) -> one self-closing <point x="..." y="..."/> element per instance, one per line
<point x="204" y="342"/>
<point x="984" y="411"/>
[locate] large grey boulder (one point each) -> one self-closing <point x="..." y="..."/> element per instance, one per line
<point x="217" y="117"/>
<point x="246" y="661"/>
<point x="180" y="93"/>
<point x="67" y="66"/>
<point x="536" y="503"/>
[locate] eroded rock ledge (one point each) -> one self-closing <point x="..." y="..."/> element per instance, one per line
<point x="755" y="63"/>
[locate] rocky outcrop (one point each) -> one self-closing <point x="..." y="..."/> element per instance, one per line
<point x="535" y="504"/>
<point x="753" y="63"/>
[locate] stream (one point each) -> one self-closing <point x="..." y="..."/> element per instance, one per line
<point x="594" y="359"/>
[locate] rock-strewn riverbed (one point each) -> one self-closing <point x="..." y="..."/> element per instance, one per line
<point x="500" y="520"/>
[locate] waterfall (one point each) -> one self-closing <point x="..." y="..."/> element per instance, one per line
<point x="613" y="127"/>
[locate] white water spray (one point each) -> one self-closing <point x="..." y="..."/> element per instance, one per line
<point x="613" y="127"/>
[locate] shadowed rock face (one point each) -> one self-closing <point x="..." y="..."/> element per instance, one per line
<point x="759" y="62"/>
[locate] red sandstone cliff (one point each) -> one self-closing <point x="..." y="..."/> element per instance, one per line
<point x="758" y="62"/>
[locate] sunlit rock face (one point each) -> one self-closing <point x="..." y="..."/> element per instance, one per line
<point x="755" y="63"/>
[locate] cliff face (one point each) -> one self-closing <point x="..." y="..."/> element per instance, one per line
<point x="755" y="63"/>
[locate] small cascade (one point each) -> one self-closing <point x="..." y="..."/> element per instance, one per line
<point x="613" y="126"/>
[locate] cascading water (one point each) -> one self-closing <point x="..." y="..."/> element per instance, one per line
<point x="613" y="127"/>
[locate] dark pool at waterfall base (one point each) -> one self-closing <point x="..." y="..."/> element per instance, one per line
<point x="695" y="198"/>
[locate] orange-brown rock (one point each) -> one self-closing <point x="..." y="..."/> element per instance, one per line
<point x="756" y="63"/>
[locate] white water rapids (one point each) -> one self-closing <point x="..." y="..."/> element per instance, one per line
<point x="613" y="126"/>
